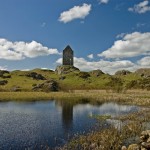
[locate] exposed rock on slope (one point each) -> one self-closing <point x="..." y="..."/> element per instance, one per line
<point x="143" y="72"/>
<point x="4" y="74"/>
<point x="122" y="72"/>
<point x="3" y="82"/>
<point x="97" y="72"/>
<point x="47" y="86"/>
<point x="84" y="75"/>
<point x="144" y="143"/>
<point x="66" y="69"/>
<point x="35" y="76"/>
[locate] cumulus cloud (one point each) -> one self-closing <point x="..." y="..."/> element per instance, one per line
<point x="20" y="50"/>
<point x="120" y="35"/>
<point x="107" y="66"/>
<point x="144" y="62"/>
<point x="134" y="44"/>
<point x="77" y="12"/>
<point x="3" y="68"/>
<point x="140" y="8"/>
<point x="104" y="1"/>
<point x="91" y="56"/>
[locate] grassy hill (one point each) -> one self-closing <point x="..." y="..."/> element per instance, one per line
<point x="73" y="79"/>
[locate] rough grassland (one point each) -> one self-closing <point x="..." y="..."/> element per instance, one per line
<point x="71" y="81"/>
<point x="137" y="97"/>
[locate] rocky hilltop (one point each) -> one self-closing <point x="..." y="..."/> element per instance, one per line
<point x="66" y="69"/>
<point x="71" y="78"/>
<point x="144" y="72"/>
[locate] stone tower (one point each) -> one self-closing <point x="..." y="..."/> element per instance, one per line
<point x="68" y="56"/>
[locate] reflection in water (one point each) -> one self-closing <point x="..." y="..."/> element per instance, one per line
<point x="67" y="114"/>
<point x="30" y="125"/>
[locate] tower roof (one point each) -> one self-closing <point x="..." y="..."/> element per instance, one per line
<point x="68" y="48"/>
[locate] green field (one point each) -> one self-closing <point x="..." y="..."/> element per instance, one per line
<point x="75" y="80"/>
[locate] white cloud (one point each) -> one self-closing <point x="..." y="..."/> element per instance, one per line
<point x="144" y="62"/>
<point x="106" y="66"/>
<point x="3" y="68"/>
<point x="20" y="50"/>
<point x="134" y="44"/>
<point x="77" y="12"/>
<point x="140" y="8"/>
<point x="120" y="35"/>
<point x="104" y="1"/>
<point x="91" y="56"/>
<point x="138" y="25"/>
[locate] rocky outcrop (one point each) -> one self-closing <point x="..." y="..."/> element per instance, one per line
<point x="35" y="76"/>
<point x="64" y="69"/>
<point x="84" y="75"/>
<point x="122" y="72"/>
<point x="4" y="74"/>
<point x="144" y="143"/>
<point x="143" y="72"/>
<point x="3" y="82"/>
<point x="47" y="86"/>
<point x="145" y="139"/>
<point x="96" y="73"/>
<point x="15" y="89"/>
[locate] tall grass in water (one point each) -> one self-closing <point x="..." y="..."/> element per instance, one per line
<point x="112" y="138"/>
<point x="93" y="96"/>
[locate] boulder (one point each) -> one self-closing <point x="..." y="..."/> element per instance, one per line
<point x="15" y="89"/>
<point x="124" y="148"/>
<point x="97" y="72"/>
<point x="3" y="82"/>
<point x="143" y="72"/>
<point x="144" y="144"/>
<point x="35" y="76"/>
<point x="145" y="135"/>
<point x="62" y="78"/>
<point x="84" y="75"/>
<point x="134" y="147"/>
<point x="122" y="72"/>
<point x="64" y="69"/>
<point x="47" y="86"/>
<point x="4" y="74"/>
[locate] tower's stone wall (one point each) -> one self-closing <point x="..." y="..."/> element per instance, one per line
<point x="68" y="56"/>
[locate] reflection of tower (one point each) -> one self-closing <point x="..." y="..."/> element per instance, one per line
<point x="67" y="114"/>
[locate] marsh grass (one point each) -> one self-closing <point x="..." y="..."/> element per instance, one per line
<point x="112" y="138"/>
<point x="136" y="97"/>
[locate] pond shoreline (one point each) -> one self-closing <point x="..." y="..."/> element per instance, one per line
<point x="105" y="139"/>
<point x="135" y="97"/>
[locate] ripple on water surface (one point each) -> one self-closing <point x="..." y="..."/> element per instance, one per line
<point x="51" y="123"/>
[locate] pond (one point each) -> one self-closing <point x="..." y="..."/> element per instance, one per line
<point x="37" y="125"/>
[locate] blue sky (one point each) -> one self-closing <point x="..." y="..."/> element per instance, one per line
<point x="105" y="34"/>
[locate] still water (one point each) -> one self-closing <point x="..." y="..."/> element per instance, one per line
<point x="36" y="125"/>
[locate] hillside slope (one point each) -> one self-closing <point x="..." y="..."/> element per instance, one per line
<point x="72" y="79"/>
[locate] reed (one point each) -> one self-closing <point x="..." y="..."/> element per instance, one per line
<point x="135" y="97"/>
